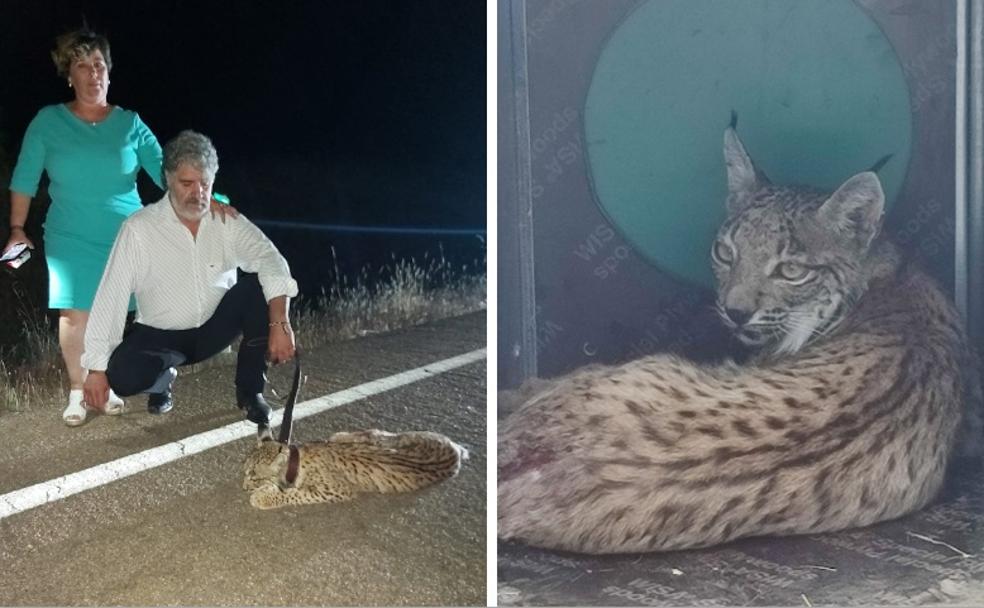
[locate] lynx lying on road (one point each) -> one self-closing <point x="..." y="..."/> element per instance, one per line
<point x="349" y="463"/>
<point x="279" y="474"/>
<point x="863" y="390"/>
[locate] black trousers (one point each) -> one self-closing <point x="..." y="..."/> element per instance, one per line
<point x="146" y="352"/>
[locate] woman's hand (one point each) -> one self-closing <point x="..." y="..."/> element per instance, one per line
<point x="223" y="210"/>
<point x="17" y="235"/>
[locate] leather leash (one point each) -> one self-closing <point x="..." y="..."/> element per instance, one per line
<point x="287" y="424"/>
<point x="293" y="464"/>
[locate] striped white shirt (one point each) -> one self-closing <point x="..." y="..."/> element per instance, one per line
<point x="178" y="279"/>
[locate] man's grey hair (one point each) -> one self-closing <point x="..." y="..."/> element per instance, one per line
<point x="192" y="148"/>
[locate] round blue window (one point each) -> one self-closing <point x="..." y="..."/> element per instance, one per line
<point x="819" y="92"/>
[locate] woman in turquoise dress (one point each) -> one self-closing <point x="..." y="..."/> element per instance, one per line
<point x="92" y="152"/>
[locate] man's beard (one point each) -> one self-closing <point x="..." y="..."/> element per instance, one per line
<point x="191" y="208"/>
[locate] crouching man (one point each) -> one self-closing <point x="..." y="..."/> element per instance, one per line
<point x="180" y="264"/>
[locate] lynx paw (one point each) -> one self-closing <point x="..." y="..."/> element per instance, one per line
<point x="267" y="496"/>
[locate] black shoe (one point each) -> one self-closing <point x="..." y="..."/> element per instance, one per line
<point x="159" y="396"/>
<point x="256" y="408"/>
<point x="159" y="403"/>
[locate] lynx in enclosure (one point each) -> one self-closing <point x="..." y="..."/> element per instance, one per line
<point x="862" y="391"/>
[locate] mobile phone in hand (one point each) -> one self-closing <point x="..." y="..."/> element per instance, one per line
<point x="16" y="255"/>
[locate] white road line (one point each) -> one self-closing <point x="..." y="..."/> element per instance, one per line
<point x="45" y="492"/>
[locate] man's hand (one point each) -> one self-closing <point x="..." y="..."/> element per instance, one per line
<point x="96" y="390"/>
<point x="280" y="345"/>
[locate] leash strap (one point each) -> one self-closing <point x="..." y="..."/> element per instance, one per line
<point x="288" y="419"/>
<point x="293" y="464"/>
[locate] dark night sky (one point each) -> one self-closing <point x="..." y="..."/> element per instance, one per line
<point x="368" y="112"/>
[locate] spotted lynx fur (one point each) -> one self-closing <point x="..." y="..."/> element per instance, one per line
<point x="347" y="464"/>
<point x="862" y="391"/>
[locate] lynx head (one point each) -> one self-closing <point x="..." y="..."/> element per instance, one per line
<point x="265" y="464"/>
<point x="790" y="260"/>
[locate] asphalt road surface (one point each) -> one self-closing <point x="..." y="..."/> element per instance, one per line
<point x="185" y="534"/>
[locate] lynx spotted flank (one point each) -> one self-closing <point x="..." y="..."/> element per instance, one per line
<point x="861" y="393"/>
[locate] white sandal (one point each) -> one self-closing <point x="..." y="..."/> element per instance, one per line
<point x="75" y="413"/>
<point x="114" y="405"/>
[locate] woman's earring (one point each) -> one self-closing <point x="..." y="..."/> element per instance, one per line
<point x="70" y="84"/>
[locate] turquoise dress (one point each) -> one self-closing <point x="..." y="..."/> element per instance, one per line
<point x="93" y="172"/>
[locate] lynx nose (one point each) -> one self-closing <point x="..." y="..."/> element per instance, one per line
<point x="739" y="317"/>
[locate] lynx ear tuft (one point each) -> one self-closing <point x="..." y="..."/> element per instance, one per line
<point x="875" y="168"/>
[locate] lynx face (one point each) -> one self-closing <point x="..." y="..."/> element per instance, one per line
<point x="264" y="464"/>
<point x="789" y="260"/>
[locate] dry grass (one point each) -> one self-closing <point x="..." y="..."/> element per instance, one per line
<point x="403" y="294"/>
<point x="32" y="373"/>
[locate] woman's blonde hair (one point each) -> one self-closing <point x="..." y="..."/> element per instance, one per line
<point x="80" y="43"/>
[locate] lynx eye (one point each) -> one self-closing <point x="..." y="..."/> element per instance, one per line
<point x="792" y="272"/>
<point x="722" y="253"/>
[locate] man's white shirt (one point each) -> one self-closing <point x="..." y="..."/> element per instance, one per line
<point x="178" y="279"/>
